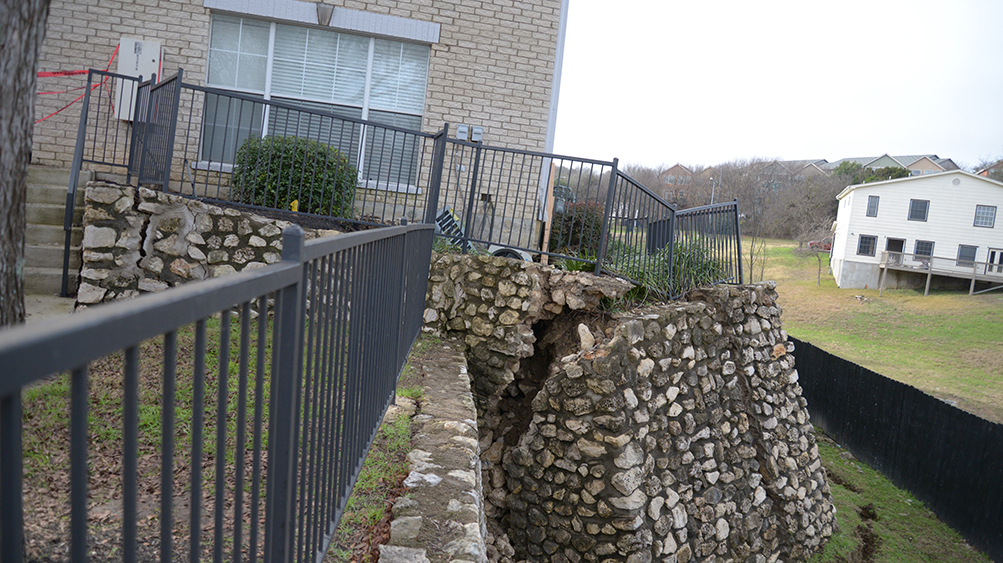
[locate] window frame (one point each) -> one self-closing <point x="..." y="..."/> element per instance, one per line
<point x="369" y="102"/>
<point x="873" y="244"/>
<point x="964" y="261"/>
<point x="926" y="210"/>
<point x="915" y="248"/>
<point x="992" y="221"/>
<point x="877" y="202"/>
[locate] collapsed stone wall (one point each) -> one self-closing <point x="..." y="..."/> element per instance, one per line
<point x="141" y="240"/>
<point x="675" y="435"/>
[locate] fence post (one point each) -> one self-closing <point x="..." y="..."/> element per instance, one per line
<point x="601" y="253"/>
<point x="71" y="192"/>
<point x="173" y="127"/>
<point x="11" y="500"/>
<point x="469" y="221"/>
<point x="435" y="178"/>
<point x="738" y="242"/>
<point x="287" y="345"/>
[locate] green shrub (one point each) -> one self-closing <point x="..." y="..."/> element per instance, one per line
<point x="578" y="229"/>
<point x="691" y="267"/>
<point x="275" y="171"/>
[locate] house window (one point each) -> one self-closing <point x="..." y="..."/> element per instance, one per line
<point x="985" y="216"/>
<point x="966" y="255"/>
<point x="360" y="77"/>
<point x="918" y="209"/>
<point x="923" y="248"/>
<point x="872" y="205"/>
<point x="866" y="245"/>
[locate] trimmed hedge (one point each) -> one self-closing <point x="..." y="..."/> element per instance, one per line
<point x="275" y="171"/>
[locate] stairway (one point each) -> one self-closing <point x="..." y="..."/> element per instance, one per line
<point x="44" y="236"/>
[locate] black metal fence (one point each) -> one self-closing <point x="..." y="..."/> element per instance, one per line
<point x="326" y="161"/>
<point x="154" y="127"/>
<point x="709" y="245"/>
<point x="307" y="365"/>
<point x="102" y="139"/>
<point x="950" y="459"/>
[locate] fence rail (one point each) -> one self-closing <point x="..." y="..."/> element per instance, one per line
<point x="325" y="160"/>
<point x="312" y="353"/>
<point x="950" y="459"/>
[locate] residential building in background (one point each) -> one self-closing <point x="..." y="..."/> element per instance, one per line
<point x="948" y="224"/>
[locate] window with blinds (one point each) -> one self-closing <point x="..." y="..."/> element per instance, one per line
<point x="380" y="80"/>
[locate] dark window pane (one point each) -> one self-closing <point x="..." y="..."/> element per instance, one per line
<point x="872" y="205"/>
<point x="918" y="209"/>
<point x="866" y="245"/>
<point x="966" y="255"/>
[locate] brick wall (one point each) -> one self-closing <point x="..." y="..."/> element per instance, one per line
<point x="492" y="66"/>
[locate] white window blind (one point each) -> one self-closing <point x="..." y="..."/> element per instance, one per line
<point x="399" y="71"/>
<point x="320" y="65"/>
<point x="238" y="53"/>
<point x="381" y="80"/>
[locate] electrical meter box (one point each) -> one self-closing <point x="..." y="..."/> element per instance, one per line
<point x="136" y="57"/>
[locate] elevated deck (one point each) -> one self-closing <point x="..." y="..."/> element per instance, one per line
<point x="989" y="272"/>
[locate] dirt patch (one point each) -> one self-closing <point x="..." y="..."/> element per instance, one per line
<point x="839" y="480"/>
<point x="867" y="549"/>
<point x="868" y="512"/>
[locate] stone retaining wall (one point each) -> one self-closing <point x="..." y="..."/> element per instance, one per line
<point x="140" y="240"/>
<point x="675" y="435"/>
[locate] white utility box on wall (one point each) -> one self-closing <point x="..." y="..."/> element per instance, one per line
<point x="135" y="58"/>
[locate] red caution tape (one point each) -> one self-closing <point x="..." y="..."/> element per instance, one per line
<point x="74" y="72"/>
<point x="60" y="73"/>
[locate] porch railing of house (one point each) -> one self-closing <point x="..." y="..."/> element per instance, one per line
<point x="958" y="267"/>
<point x="308" y="353"/>
<point x="582" y="212"/>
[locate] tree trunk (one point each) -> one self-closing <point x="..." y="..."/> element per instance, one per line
<point x="22" y="30"/>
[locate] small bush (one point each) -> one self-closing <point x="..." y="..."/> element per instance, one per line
<point x="578" y="229"/>
<point x="275" y="171"/>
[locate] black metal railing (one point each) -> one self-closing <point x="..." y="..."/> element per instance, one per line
<point x="305" y="368"/>
<point x="154" y="127"/>
<point x="326" y="161"/>
<point x="102" y="139"/>
<point x="708" y="246"/>
<point x="308" y="157"/>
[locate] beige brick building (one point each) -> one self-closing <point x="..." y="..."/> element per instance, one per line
<point x="487" y="63"/>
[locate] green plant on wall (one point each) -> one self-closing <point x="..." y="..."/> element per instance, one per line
<point x="277" y="171"/>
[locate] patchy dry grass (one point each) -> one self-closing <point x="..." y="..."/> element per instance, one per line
<point x="945" y="344"/>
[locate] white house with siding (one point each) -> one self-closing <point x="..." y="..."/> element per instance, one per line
<point x="947" y="224"/>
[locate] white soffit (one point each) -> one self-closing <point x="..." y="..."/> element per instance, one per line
<point x="342" y="19"/>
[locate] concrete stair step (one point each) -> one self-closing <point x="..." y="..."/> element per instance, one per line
<point x="47" y="176"/>
<point x="50" y="256"/>
<point x="48" y="281"/>
<point x="45" y="194"/>
<point x="51" y="235"/>
<point x="52" y="214"/>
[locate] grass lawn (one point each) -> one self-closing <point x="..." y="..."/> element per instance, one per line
<point x="942" y="344"/>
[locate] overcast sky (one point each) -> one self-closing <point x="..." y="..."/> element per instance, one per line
<point x="703" y="82"/>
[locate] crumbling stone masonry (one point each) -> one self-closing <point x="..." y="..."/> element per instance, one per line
<point x="140" y="240"/>
<point x="676" y="435"/>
